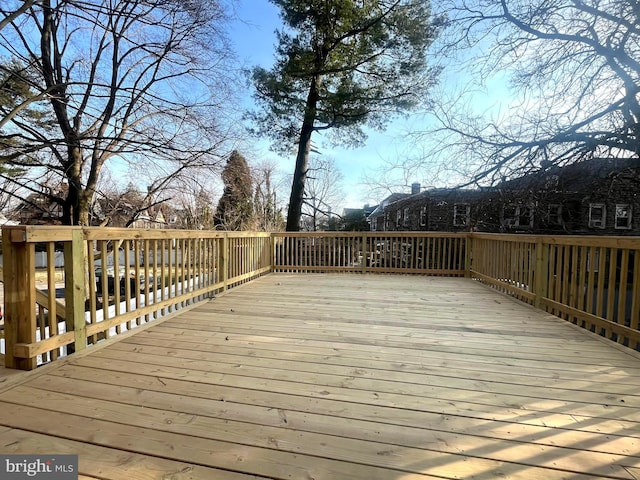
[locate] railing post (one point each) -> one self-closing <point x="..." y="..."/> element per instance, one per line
<point x="540" y="273"/>
<point x="468" y="247"/>
<point x="74" y="290"/>
<point x="19" y="296"/>
<point x="224" y="261"/>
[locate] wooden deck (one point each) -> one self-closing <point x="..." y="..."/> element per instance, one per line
<point x="340" y="377"/>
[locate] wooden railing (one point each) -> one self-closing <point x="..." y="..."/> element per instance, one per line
<point x="593" y="282"/>
<point x="115" y="280"/>
<point x="427" y="253"/>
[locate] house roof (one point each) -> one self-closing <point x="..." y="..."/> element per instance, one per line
<point x="575" y="176"/>
<point x="5" y="221"/>
<point x="394" y="197"/>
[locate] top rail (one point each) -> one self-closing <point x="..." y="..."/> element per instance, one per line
<point x="112" y="280"/>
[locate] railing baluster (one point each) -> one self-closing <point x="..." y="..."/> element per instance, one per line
<point x="127" y="278"/>
<point x="52" y="306"/>
<point x="634" y="323"/>
<point x="611" y="291"/>
<point x="621" y="311"/>
<point x="137" y="291"/>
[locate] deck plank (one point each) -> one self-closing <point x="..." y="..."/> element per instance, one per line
<point x="341" y="376"/>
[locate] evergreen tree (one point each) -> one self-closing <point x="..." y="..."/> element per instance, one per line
<point x="235" y="208"/>
<point x="341" y="64"/>
<point x="16" y="98"/>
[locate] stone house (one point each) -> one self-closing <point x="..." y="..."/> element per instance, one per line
<point x="593" y="197"/>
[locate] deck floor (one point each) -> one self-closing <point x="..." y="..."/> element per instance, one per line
<point x="340" y="377"/>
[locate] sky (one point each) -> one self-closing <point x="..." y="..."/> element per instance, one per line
<point x="254" y="41"/>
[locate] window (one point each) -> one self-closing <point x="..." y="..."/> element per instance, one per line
<point x="555" y="214"/>
<point x="509" y="216"/>
<point x="56" y="210"/>
<point x="406" y="217"/>
<point x="461" y="214"/>
<point x="423" y="217"/>
<point x="597" y="215"/>
<point x="517" y="216"/>
<point x="398" y="218"/>
<point x="623" y="216"/>
<point x="525" y="216"/>
<point x="387" y="222"/>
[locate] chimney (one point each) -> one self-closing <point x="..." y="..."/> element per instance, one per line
<point x="415" y="188"/>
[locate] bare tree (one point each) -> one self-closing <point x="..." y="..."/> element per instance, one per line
<point x="128" y="79"/>
<point x="323" y="193"/>
<point x="193" y="204"/>
<point x="269" y="188"/>
<point x="573" y="67"/>
<point x="12" y="12"/>
<point x="8" y="191"/>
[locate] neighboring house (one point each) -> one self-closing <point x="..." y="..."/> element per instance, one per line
<point x="379" y="218"/>
<point x="597" y="197"/>
<point x="437" y="210"/>
<point x="37" y="209"/>
<point x="355" y="219"/>
<point x="151" y="218"/>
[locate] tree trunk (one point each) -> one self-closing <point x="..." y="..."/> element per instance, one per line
<point x="74" y="179"/>
<point x="302" y="159"/>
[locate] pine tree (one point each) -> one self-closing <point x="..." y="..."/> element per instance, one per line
<point x="235" y="208"/>
<point x="341" y="64"/>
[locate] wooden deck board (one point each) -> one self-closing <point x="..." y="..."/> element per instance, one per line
<point x="340" y="376"/>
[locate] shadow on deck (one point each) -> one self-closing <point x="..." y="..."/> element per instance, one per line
<point x="339" y="377"/>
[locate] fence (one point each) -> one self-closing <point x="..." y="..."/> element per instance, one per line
<point x="118" y="279"/>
